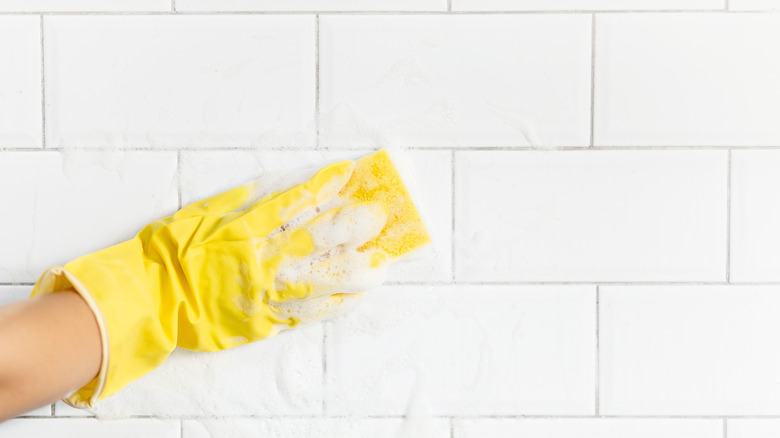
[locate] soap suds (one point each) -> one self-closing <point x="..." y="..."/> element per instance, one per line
<point x="273" y="377"/>
<point x="418" y="419"/>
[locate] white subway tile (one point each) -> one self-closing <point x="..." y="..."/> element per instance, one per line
<point x="687" y="79"/>
<point x="12" y="294"/>
<point x="43" y="411"/>
<point x="754" y="5"/>
<point x="63" y="410"/>
<point x="311" y="5"/>
<point x="275" y="376"/>
<point x="64" y="205"/>
<point x="427" y="174"/>
<point x="90" y="428"/>
<point x="464" y="80"/>
<point x="580" y="5"/>
<point x="755" y="214"/>
<point x="591" y="216"/>
<point x="589" y="428"/>
<point x="20" y="86"/>
<point x="179" y="81"/>
<point x="753" y="428"/>
<point x="84" y="5"/>
<point x="316" y="428"/>
<point x="464" y="350"/>
<point x="689" y="350"/>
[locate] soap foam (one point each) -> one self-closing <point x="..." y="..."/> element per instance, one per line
<point x="307" y="311"/>
<point x="337" y="265"/>
<point x="278" y="376"/>
<point x="169" y="390"/>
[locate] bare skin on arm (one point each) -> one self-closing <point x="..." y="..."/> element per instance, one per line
<point x="49" y="346"/>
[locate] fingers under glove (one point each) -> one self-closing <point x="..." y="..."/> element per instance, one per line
<point x="337" y="264"/>
<point x="266" y="215"/>
<point x="350" y="226"/>
<point x="307" y="311"/>
<point x="222" y="203"/>
<point x="344" y="271"/>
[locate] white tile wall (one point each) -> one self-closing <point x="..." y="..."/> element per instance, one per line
<point x="84" y="5"/>
<point x="12" y="294"/>
<point x="179" y="82"/>
<point x="63" y="410"/>
<point x="90" y="428"/>
<point x="579" y="5"/>
<point x="311" y="5"/>
<point x="591" y="216"/>
<point x="754" y="5"/>
<point x="753" y="428"/>
<point x="687" y="79"/>
<point x="464" y="351"/>
<point x="589" y="428"/>
<point x="421" y="81"/>
<point x="315" y="428"/>
<point x="755" y="212"/>
<point x="20" y="82"/>
<point x="689" y="350"/>
<point x="280" y="376"/>
<point x="635" y="256"/>
<point x="65" y="204"/>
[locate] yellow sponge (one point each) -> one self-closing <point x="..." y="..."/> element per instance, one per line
<point x="376" y="178"/>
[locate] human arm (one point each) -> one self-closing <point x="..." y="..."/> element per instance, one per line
<point x="49" y="346"/>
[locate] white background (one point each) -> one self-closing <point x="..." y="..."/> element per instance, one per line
<point x="601" y="178"/>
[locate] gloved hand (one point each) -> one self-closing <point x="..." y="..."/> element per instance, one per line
<point x="225" y="271"/>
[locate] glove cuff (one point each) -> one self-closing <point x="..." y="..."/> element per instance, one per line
<point x="58" y="279"/>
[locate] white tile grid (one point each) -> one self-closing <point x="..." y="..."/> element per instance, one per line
<point x="701" y="424"/>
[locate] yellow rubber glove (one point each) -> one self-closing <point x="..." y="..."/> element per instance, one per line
<point x="225" y="271"/>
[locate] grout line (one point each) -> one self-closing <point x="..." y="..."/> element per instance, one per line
<point x="411" y="148"/>
<point x="52" y="409"/>
<point x="598" y="352"/>
<point x="725" y="428"/>
<point x="324" y="366"/>
<point x="452" y="213"/>
<point x="728" y="219"/>
<point x="449" y="5"/>
<point x="181" y="428"/>
<point x="452" y="427"/>
<point x="317" y="82"/>
<point x="726" y="5"/>
<point x="443" y="417"/>
<point x="173" y="6"/>
<point x="388" y="12"/>
<point x="43" y="90"/>
<point x="544" y="283"/>
<point x="41" y="417"/>
<point x="178" y="178"/>
<point x="592" y="74"/>
<point x="576" y="283"/>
